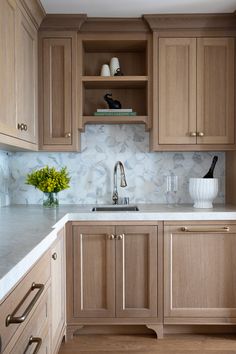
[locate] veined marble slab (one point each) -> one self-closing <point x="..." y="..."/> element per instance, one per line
<point x="26" y="232"/>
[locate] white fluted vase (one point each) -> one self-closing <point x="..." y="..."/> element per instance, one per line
<point x="203" y="191"/>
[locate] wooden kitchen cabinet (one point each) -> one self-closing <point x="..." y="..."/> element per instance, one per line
<point x="58" y="91"/>
<point x="199" y="273"/>
<point x="114" y="275"/>
<point x="31" y="300"/>
<point x="58" y="291"/>
<point x="27" y="80"/>
<point x="8" y="22"/>
<point x="193" y="94"/>
<point x="18" y="71"/>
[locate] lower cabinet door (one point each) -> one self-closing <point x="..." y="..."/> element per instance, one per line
<point x="90" y="271"/>
<point x="136" y="271"/>
<point x="200" y="273"/>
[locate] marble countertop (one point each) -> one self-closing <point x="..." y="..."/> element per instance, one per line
<point x="26" y="232"/>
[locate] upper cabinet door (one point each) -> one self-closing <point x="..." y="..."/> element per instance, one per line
<point x="58" y="92"/>
<point x="215" y="90"/>
<point x="27" y="80"/>
<point x="177" y="91"/>
<point x="8" y="21"/>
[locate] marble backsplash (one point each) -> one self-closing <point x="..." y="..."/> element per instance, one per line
<point x="91" y="170"/>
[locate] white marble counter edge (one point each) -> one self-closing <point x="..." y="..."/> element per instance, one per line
<point x="10" y="280"/>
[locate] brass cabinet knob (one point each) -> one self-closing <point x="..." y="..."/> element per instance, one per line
<point x="193" y="134"/>
<point x="54" y="256"/>
<point x="120" y="237"/>
<point x="111" y="237"/>
<point x="20" y="126"/>
<point x="25" y="127"/>
<point x="67" y="135"/>
<point x="201" y="134"/>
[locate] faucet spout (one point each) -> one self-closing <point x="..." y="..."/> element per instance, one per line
<point x="123" y="182"/>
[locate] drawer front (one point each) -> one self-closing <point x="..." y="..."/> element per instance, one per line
<point x="35" y="337"/>
<point x="18" y="307"/>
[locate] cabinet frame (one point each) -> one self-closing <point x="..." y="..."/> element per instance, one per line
<point x="127" y="82"/>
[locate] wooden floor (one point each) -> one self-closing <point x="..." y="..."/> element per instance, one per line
<point x="147" y="344"/>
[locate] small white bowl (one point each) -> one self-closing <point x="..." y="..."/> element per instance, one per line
<point x="203" y="191"/>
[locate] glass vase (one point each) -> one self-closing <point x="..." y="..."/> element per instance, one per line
<point x="50" y="200"/>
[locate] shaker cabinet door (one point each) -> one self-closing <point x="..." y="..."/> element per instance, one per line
<point x="215" y="90"/>
<point x="177" y="90"/>
<point x="199" y="273"/>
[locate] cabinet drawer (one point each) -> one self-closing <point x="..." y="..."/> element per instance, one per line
<point x="36" y="333"/>
<point x="18" y="307"/>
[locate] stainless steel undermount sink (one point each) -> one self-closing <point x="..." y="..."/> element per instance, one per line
<point x="116" y="208"/>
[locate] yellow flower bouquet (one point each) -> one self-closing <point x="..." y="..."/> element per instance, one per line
<point x="50" y="181"/>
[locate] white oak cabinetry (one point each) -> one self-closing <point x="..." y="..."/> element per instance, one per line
<point x="114" y="275"/>
<point x="25" y="312"/>
<point x="18" y="70"/>
<point x="194" y="94"/>
<point x="58" y="291"/>
<point x="27" y="80"/>
<point x="199" y="273"/>
<point x="58" y="91"/>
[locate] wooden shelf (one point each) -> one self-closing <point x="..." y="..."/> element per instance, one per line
<point x="114" y="81"/>
<point x="115" y="119"/>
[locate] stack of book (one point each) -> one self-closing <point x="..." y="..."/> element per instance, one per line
<point x="115" y="112"/>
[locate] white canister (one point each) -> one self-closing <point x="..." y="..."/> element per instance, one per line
<point x="203" y="191"/>
<point x="105" y="70"/>
<point x="114" y="65"/>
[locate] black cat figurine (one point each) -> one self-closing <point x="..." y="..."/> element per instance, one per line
<point x="112" y="104"/>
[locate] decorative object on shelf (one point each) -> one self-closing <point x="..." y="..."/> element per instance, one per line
<point x="118" y="72"/>
<point x="105" y="70"/>
<point x="209" y="174"/>
<point x="112" y="104"/>
<point x="203" y="191"/>
<point x="50" y="181"/>
<point x="114" y="65"/>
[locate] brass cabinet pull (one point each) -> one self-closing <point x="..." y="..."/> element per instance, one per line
<point x="193" y="134"/>
<point x="201" y="134"/>
<point x="54" y="256"/>
<point x="120" y="237"/>
<point x="19" y="319"/>
<point x="207" y="229"/>
<point x="111" y="237"/>
<point x="33" y="340"/>
<point x="67" y="135"/>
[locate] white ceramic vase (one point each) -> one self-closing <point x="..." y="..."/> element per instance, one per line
<point x="105" y="70"/>
<point x="203" y="191"/>
<point x="114" y="65"/>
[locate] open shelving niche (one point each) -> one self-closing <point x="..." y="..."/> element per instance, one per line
<point x="132" y="90"/>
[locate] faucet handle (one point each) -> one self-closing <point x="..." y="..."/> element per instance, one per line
<point x="126" y="200"/>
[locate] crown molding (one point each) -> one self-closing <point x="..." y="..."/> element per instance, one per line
<point x="191" y="21"/>
<point x="60" y="22"/>
<point x="35" y="10"/>
<point x="114" y="24"/>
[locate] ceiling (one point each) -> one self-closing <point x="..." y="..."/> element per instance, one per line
<point x="136" y="8"/>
